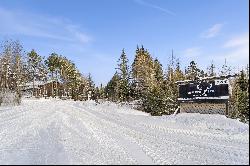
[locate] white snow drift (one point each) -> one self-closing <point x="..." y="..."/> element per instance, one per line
<point x="68" y="132"/>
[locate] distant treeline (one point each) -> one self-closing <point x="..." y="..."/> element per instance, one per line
<point x="18" y="68"/>
<point x="156" y="90"/>
<point x="153" y="88"/>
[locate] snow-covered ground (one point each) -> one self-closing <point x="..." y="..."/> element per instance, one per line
<point x="68" y="132"/>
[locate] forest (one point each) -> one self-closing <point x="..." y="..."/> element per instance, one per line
<point x="145" y="82"/>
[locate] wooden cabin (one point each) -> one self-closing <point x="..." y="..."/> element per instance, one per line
<point x="42" y="89"/>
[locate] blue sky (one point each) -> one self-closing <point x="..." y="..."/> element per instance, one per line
<point x="92" y="33"/>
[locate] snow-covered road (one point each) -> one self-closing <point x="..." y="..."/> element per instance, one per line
<point x="67" y="132"/>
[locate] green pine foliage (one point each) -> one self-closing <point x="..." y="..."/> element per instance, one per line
<point x="240" y="98"/>
<point x="211" y="70"/>
<point x="124" y="78"/>
<point x="142" y="72"/>
<point x="111" y="89"/>
<point x="193" y="72"/>
<point x="226" y="69"/>
<point x="36" y="68"/>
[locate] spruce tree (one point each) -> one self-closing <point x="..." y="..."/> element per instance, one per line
<point x="111" y="90"/>
<point x="193" y="72"/>
<point x="124" y="75"/>
<point x="242" y="97"/>
<point x="154" y="100"/>
<point x="142" y="72"/>
<point x="178" y="75"/>
<point x="91" y="86"/>
<point x="158" y="71"/>
<point x="173" y="75"/>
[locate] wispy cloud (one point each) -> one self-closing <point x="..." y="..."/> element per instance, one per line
<point x="213" y="31"/>
<point x="145" y="3"/>
<point x="238" y="41"/>
<point x="35" y="25"/>
<point x="237" y="49"/>
<point x="192" y="52"/>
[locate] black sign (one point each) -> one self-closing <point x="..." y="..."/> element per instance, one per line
<point x="204" y="89"/>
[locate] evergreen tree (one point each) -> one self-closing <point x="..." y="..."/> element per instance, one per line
<point x="52" y="65"/>
<point x="193" y="72"/>
<point x="124" y="75"/>
<point x="173" y="75"/>
<point x="155" y="99"/>
<point x="35" y="68"/>
<point x="102" y="92"/>
<point x="99" y="93"/>
<point x="142" y="72"/>
<point x="91" y="87"/>
<point x="158" y="71"/>
<point x="111" y="90"/>
<point x="226" y="69"/>
<point x="241" y="97"/>
<point x="211" y="70"/>
<point x="179" y="75"/>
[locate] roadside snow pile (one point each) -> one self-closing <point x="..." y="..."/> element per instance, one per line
<point x="52" y="131"/>
<point x="213" y="122"/>
<point x="112" y="107"/>
<point x="8" y="98"/>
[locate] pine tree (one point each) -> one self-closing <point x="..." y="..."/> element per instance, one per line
<point x="91" y="87"/>
<point x="124" y="75"/>
<point x="193" y="72"/>
<point x="226" y="69"/>
<point x="154" y="100"/>
<point x="142" y="72"/>
<point x="102" y="92"/>
<point x="35" y="67"/>
<point x="158" y="71"/>
<point x="173" y="75"/>
<point x="179" y="75"/>
<point x="52" y="64"/>
<point x="241" y="96"/>
<point x="111" y="90"/>
<point x="211" y="70"/>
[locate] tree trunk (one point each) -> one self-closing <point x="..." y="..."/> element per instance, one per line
<point x="56" y="85"/>
<point x="52" y="85"/>
<point x="33" y="85"/>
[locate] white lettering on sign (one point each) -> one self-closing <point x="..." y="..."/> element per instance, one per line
<point x="219" y="82"/>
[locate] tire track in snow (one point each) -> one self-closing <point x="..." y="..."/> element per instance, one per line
<point x="85" y="134"/>
<point x="106" y="143"/>
<point x="201" y="146"/>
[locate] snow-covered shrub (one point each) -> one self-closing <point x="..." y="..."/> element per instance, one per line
<point x="9" y="98"/>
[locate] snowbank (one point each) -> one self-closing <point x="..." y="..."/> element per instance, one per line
<point x="213" y="122"/>
<point x="9" y="98"/>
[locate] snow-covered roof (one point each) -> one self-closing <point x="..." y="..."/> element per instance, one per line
<point x="36" y="83"/>
<point x="207" y="78"/>
<point x="197" y="98"/>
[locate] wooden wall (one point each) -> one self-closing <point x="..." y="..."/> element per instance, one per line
<point x="204" y="108"/>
